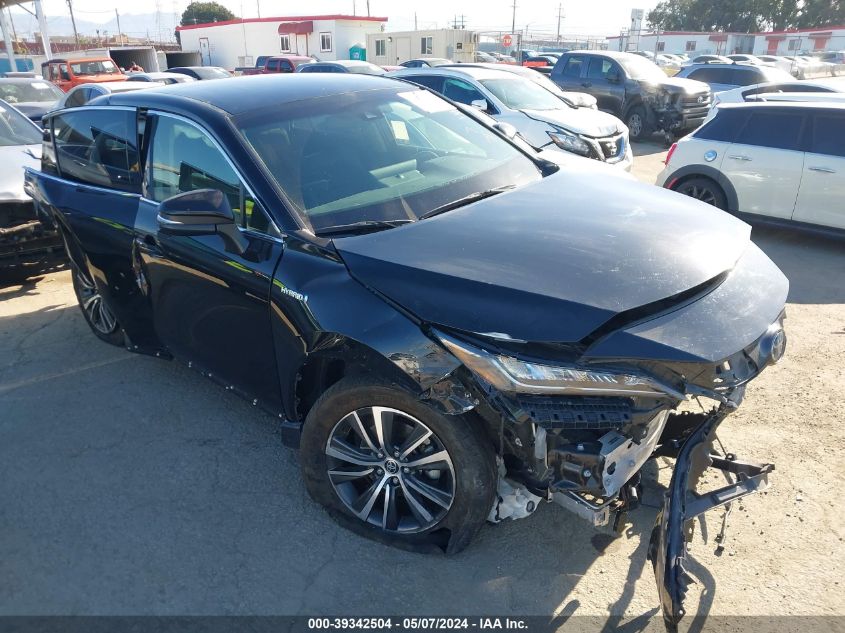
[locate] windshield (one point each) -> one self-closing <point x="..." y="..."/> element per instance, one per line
<point x="95" y="67"/>
<point x="522" y="94"/>
<point x="379" y="155"/>
<point x="641" y="69"/>
<point x="16" y="129"/>
<point x="29" y="92"/>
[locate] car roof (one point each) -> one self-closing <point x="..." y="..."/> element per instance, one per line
<point x="161" y="73"/>
<point x="792" y="105"/>
<point x="73" y="60"/>
<point x="279" y="89"/>
<point x="22" y="80"/>
<point x="470" y="70"/>
<point x="611" y="54"/>
<point x="343" y="62"/>
<point x="119" y="86"/>
<point x="192" y="68"/>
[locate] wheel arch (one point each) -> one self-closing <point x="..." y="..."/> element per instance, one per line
<point x="428" y="373"/>
<point x="679" y="176"/>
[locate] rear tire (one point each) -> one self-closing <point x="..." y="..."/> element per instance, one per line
<point x="95" y="308"/>
<point x="359" y="446"/>
<point x="704" y="189"/>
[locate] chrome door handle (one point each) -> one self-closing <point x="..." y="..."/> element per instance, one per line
<point x="826" y="170"/>
<point x="739" y="157"/>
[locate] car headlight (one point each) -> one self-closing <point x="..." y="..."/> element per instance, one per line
<point x="571" y="143"/>
<point x="513" y="375"/>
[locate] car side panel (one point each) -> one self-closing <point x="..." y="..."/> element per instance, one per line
<point x="821" y="197"/>
<point x="766" y="180"/>
<point x="98" y="227"/>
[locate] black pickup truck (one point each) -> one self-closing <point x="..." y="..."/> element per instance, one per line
<point x="635" y="90"/>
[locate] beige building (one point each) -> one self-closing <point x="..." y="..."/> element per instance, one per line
<point x="393" y="48"/>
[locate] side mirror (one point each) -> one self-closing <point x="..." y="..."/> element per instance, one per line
<point x="507" y="129"/>
<point x="614" y="77"/>
<point x="481" y="104"/>
<point x="201" y="212"/>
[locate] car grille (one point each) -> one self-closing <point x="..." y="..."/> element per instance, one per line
<point x="611" y="148"/>
<point x="577" y="413"/>
<point x="696" y="105"/>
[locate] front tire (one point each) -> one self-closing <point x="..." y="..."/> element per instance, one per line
<point x="95" y="308"/>
<point x="637" y="122"/>
<point x="391" y="468"/>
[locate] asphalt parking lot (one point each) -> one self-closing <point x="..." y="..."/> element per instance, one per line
<point x="131" y="485"/>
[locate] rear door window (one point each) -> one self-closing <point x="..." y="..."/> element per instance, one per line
<point x="573" y="66"/>
<point x="828" y="134"/>
<point x="724" y="127"/>
<point x="433" y="82"/>
<point x="777" y="129"/>
<point x="98" y="147"/>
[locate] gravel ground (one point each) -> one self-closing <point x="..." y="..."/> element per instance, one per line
<point x="130" y="485"/>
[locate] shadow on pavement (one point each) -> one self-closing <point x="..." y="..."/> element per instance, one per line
<point x="814" y="263"/>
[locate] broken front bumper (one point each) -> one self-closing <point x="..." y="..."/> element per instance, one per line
<point x="674" y="528"/>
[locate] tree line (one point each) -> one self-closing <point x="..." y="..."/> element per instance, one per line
<point x="745" y="16"/>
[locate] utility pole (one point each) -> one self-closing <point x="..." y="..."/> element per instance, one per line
<point x="559" y="12"/>
<point x="368" y="8"/>
<point x="513" y="22"/>
<point x="415" y="20"/>
<point x="73" y="22"/>
<point x="119" y="32"/>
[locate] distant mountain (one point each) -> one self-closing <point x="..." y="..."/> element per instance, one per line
<point x="137" y="25"/>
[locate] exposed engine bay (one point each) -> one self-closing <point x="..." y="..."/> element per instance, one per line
<point x="585" y="451"/>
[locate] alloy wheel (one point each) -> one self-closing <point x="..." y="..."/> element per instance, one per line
<point x="635" y="125"/>
<point x="390" y="470"/>
<point x="99" y="314"/>
<point x="700" y="193"/>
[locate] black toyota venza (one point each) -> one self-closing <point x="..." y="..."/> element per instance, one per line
<point x="451" y="328"/>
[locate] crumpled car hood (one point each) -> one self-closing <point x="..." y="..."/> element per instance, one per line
<point x="681" y="84"/>
<point x="549" y="262"/>
<point x="593" y="123"/>
<point x="13" y="159"/>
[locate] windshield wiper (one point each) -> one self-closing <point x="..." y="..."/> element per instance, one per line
<point x="460" y="202"/>
<point x="361" y="227"/>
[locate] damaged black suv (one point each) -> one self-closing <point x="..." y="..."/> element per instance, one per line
<point x="636" y="90"/>
<point x="451" y="328"/>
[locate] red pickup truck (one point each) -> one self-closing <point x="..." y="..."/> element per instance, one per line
<point x="266" y="65"/>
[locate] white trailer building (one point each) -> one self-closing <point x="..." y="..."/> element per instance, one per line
<point x="392" y="48"/>
<point x="237" y="43"/>
<point x="690" y="42"/>
<point x="791" y="42"/>
<point x="797" y="41"/>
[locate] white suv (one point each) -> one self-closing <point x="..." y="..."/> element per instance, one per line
<point x="781" y="161"/>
